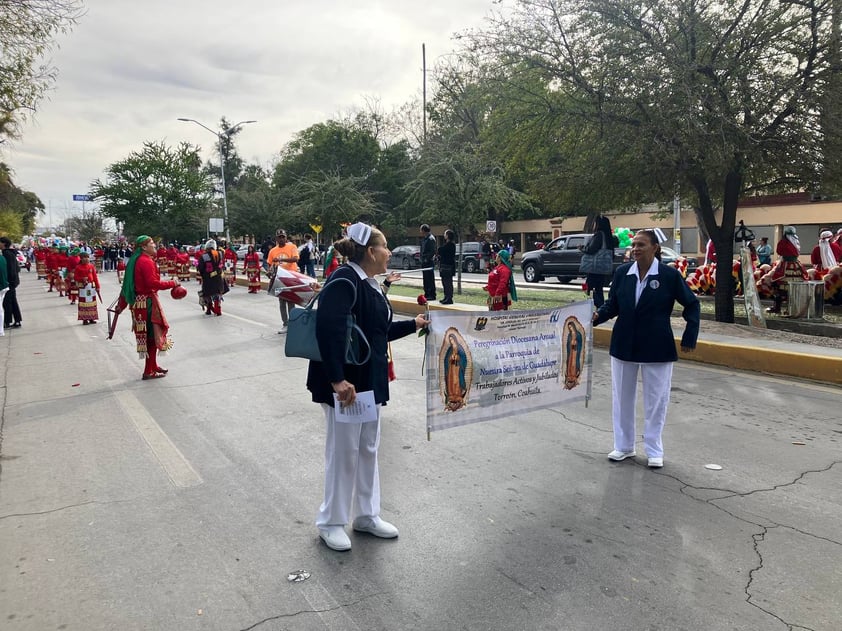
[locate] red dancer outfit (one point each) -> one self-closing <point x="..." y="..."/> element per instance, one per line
<point x="826" y="255"/>
<point x="788" y="268"/>
<point x="172" y="258"/>
<point x="182" y="265"/>
<point x="41" y="263"/>
<point x="52" y="270"/>
<point x="501" y="285"/>
<point x="99" y="255"/>
<point x="61" y="270"/>
<point x="230" y="266"/>
<point x="252" y="265"/>
<point x="140" y="293"/>
<point x="161" y="260"/>
<point x="86" y="281"/>
<point x="72" y="288"/>
<point x="121" y="269"/>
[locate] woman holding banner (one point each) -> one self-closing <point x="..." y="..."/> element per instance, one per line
<point x="351" y="447"/>
<point x="642" y="297"/>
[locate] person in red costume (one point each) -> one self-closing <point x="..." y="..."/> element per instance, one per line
<point x="140" y="293"/>
<point x="73" y="260"/>
<point x="826" y="255"/>
<point x="230" y="265"/>
<point x="161" y="259"/>
<point x="788" y="268"/>
<point x="182" y="265"/>
<point x="501" y="287"/>
<point x="172" y="260"/>
<point x="86" y="284"/>
<point x="252" y="265"/>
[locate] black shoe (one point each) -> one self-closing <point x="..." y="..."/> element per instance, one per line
<point x="16" y="325"/>
<point x="446" y="302"/>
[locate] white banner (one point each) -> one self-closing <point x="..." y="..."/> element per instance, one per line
<point x="484" y="365"/>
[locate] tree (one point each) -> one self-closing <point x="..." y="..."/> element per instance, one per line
<point x="252" y="204"/>
<point x="331" y="200"/>
<point x="20" y="208"/>
<point x="160" y="191"/>
<point x="718" y="99"/>
<point x="27" y="29"/>
<point x="87" y="227"/>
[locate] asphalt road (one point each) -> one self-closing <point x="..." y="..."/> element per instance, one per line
<point x="184" y="503"/>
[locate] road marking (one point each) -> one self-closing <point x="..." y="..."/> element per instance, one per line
<point x="178" y="469"/>
<point x="231" y="315"/>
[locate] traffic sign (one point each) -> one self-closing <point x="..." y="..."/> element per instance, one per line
<point x="81" y="198"/>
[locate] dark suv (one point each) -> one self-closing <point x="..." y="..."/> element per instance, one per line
<point x="471" y="256"/>
<point x="560" y="258"/>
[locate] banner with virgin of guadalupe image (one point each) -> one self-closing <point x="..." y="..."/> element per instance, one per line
<point x="485" y="365"/>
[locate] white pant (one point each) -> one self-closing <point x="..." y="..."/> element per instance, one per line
<point x="350" y="461"/>
<point x="657" y="380"/>
<point x="3" y="293"/>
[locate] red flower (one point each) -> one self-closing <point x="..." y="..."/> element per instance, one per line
<point x="422" y="300"/>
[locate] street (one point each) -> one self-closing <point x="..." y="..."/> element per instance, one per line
<point x="184" y="503"/>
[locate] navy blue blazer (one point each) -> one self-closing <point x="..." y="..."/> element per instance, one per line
<point x="642" y="332"/>
<point x="374" y="316"/>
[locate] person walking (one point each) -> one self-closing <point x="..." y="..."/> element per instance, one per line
<point x="140" y="293"/>
<point x="285" y="255"/>
<point x="351" y="470"/>
<point x="428" y="259"/>
<point x="86" y="281"/>
<point x="11" y="310"/>
<point x="602" y="239"/>
<point x="641" y="297"/>
<point x="251" y="263"/>
<point x="447" y="265"/>
<point x="210" y="269"/>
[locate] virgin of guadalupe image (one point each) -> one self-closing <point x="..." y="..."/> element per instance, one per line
<point x="456" y="368"/>
<point x="574" y="352"/>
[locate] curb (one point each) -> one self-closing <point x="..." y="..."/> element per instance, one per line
<point x="812" y="367"/>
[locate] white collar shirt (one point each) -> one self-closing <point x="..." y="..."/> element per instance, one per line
<point x="641" y="284"/>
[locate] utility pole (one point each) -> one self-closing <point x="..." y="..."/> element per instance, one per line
<point x="424" y="90"/>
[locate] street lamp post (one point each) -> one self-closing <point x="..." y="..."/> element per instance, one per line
<point x="219" y="136"/>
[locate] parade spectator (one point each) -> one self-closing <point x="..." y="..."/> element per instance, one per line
<point x="764" y="252"/>
<point x="351" y="470"/>
<point x="11" y="310"/>
<point x="602" y="239"/>
<point x="501" y="283"/>
<point x="447" y="265"/>
<point x="642" y="295"/>
<point x="285" y="255"/>
<point x="140" y="293"/>
<point x="788" y="268"/>
<point x="4" y="289"/>
<point x="428" y="260"/>
<point x="307" y="256"/>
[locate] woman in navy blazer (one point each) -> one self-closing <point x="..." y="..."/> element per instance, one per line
<point x="351" y="448"/>
<point x="642" y="297"/>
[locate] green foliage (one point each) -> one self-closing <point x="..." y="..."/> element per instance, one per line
<point x="27" y="29"/>
<point x="252" y="207"/>
<point x="160" y="190"/>
<point x="25" y="205"/>
<point x="10" y="224"/>
<point x="87" y="227"/>
<point x="330" y="200"/>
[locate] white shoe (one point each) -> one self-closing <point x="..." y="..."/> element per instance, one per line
<point x="335" y="538"/>
<point x="618" y="455"/>
<point x="375" y="526"/>
<point x="656" y="463"/>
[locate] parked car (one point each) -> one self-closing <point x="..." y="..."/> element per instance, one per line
<point x="22" y="260"/>
<point x="560" y="258"/>
<point x="406" y="257"/>
<point x="244" y="249"/>
<point x="471" y="259"/>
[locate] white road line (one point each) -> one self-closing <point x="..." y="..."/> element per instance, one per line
<point x="231" y="315"/>
<point x="178" y="469"/>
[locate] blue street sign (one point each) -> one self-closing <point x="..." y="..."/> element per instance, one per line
<point x="81" y="198"/>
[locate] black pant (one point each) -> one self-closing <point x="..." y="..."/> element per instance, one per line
<point x="447" y="285"/>
<point x="595" y="284"/>
<point x="429" y="282"/>
<point x="11" y="310"/>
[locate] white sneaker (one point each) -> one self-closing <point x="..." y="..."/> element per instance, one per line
<point x="618" y="455"/>
<point x="375" y="526"/>
<point x="656" y="463"/>
<point x="335" y="538"/>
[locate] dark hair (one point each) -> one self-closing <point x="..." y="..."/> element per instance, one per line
<point x="653" y="239"/>
<point x="6" y="241"/>
<point x="355" y="252"/>
<point x="449" y="235"/>
<point x="425" y="227"/>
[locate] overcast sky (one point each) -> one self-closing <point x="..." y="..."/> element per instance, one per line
<point x="132" y="67"/>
